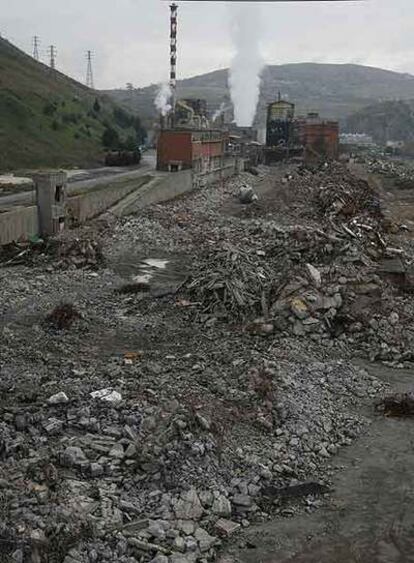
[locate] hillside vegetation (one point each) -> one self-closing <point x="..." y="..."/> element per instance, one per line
<point x="385" y="121"/>
<point x="335" y="91"/>
<point x="50" y="120"/>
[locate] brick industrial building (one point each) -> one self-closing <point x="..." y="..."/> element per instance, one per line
<point x="202" y="150"/>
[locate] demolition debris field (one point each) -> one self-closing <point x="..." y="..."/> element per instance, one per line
<point x="170" y="378"/>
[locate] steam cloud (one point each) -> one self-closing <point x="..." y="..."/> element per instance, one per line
<point x="247" y="63"/>
<point x="163" y="99"/>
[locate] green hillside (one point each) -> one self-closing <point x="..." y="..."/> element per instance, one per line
<point x="50" y="120"/>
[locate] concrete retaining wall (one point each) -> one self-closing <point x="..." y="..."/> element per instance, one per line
<point x="93" y="203"/>
<point x="120" y="197"/>
<point x="18" y="224"/>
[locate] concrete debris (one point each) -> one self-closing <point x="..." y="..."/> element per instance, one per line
<point x="58" y="399"/>
<point x="155" y="429"/>
<point x="107" y="396"/>
<point x="247" y="195"/>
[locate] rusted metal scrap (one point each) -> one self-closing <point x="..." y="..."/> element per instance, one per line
<point x="398" y="405"/>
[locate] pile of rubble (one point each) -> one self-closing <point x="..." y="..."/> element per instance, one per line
<point x="153" y="426"/>
<point x="400" y="171"/>
<point x="61" y="252"/>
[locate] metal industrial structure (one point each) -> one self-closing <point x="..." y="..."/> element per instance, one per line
<point x="52" y="54"/>
<point x="36" y="48"/>
<point x="89" y="72"/>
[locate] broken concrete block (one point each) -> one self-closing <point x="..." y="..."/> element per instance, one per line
<point x="226" y="528"/>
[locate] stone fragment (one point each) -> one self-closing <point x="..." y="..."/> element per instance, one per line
<point x="205" y="541"/>
<point x="156" y="530"/>
<point x="221" y="506"/>
<point x="117" y="452"/>
<point x="314" y="275"/>
<point x="299" y="308"/>
<point x="226" y="528"/>
<point x="160" y="559"/>
<point x="242" y="500"/>
<point x="189" y="507"/>
<point x="73" y="457"/>
<point x="247" y="195"/>
<point x="107" y="396"/>
<point x="96" y="470"/>
<point x="179" y="544"/>
<point x="186" y="526"/>
<point x="59" y="399"/>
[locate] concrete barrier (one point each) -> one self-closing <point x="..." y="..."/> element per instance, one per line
<point x="121" y="198"/>
<point x="18" y="224"/>
<point x="95" y="202"/>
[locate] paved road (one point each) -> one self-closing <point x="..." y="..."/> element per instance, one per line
<point x="85" y="180"/>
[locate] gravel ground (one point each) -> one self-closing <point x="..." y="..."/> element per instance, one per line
<point x="203" y="376"/>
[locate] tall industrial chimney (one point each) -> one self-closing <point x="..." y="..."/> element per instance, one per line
<point x="173" y="53"/>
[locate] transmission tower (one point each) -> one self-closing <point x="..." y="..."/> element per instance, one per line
<point x="36" y="44"/>
<point x="89" y="72"/>
<point x="52" y="54"/>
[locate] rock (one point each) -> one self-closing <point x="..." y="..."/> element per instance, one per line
<point x="203" y="421"/>
<point x="53" y="426"/>
<point x="107" y="396"/>
<point x="299" y="308"/>
<point x="394" y="318"/>
<point x="179" y="544"/>
<point x="21" y="422"/>
<point x="247" y="195"/>
<point x="59" y="399"/>
<point x="226" y="528"/>
<point x="160" y="559"/>
<point x="17" y="556"/>
<point x="205" y="541"/>
<point x="117" y="452"/>
<point x="96" y="470"/>
<point x="242" y="500"/>
<point x="189" y="507"/>
<point x="186" y="526"/>
<point x="187" y="558"/>
<point x="73" y="457"/>
<point x="156" y="530"/>
<point x="221" y="506"/>
<point x="314" y="275"/>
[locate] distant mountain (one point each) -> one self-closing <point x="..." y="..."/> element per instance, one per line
<point x="335" y="91"/>
<point x="49" y="120"/>
<point x="384" y="121"/>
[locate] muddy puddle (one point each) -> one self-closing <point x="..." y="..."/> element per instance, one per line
<point x="369" y="518"/>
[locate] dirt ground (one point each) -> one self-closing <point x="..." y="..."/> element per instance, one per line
<point x="369" y="516"/>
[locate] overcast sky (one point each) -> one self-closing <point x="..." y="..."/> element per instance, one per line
<point x="130" y="38"/>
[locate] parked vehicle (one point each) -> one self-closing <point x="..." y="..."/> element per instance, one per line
<point x="123" y="158"/>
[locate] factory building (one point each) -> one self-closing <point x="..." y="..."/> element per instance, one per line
<point x="203" y="150"/>
<point x="279" y="120"/>
<point x="320" y="138"/>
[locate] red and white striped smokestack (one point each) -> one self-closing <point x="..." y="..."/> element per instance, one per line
<point x="173" y="53"/>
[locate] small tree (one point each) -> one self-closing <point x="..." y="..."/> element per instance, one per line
<point x="96" y="106"/>
<point x="110" y="138"/>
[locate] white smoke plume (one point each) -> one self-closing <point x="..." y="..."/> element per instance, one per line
<point x="247" y="63"/>
<point x="219" y="112"/>
<point x="163" y="99"/>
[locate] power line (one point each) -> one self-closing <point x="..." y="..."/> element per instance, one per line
<point x="89" y="72"/>
<point x="52" y="55"/>
<point x="36" y="44"/>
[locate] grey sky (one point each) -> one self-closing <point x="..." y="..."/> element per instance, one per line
<point x="130" y="37"/>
